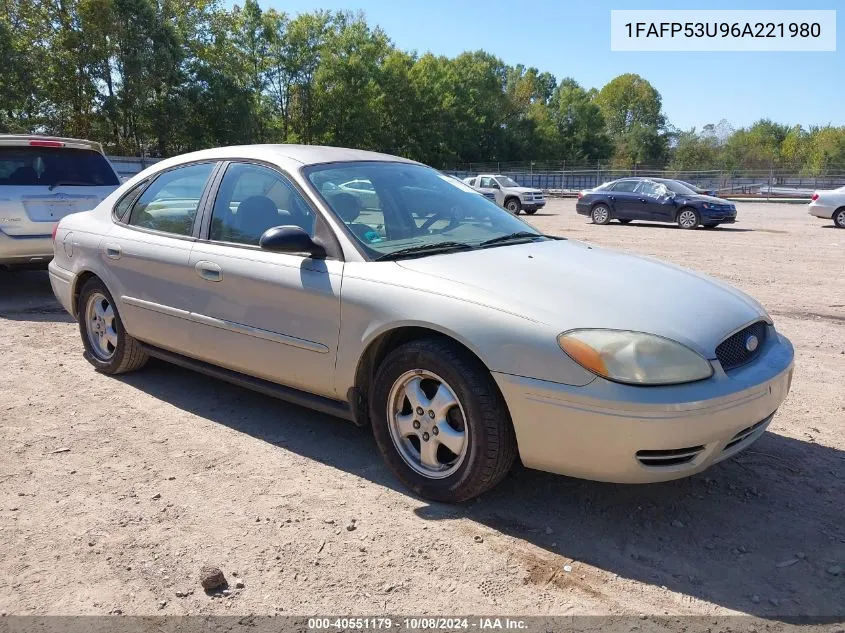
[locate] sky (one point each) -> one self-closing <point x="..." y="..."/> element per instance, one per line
<point x="571" y="38"/>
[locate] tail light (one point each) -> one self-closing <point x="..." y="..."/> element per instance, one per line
<point x="815" y="197"/>
<point x="55" y="228"/>
<point x="580" y="194"/>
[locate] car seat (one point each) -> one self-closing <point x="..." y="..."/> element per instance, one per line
<point x="255" y="215"/>
<point x="348" y="207"/>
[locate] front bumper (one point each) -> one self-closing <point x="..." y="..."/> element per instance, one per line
<point x="533" y="205"/>
<point x="626" y="434"/>
<point x="25" y="249"/>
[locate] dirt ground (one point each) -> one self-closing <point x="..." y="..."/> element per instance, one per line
<point x="115" y="492"/>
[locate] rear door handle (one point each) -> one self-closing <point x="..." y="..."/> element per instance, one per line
<point x="643" y="200"/>
<point x="209" y="271"/>
<point x="113" y="251"/>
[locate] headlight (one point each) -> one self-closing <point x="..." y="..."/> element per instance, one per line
<point x="634" y="357"/>
<point x="711" y="206"/>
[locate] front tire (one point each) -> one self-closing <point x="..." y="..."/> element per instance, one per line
<point x="710" y="225"/>
<point x="531" y="211"/>
<point x="600" y="214"/>
<point x="625" y="221"/>
<point x="513" y="205"/>
<point x="440" y="422"/>
<point x="839" y="218"/>
<point x="108" y="347"/>
<point x="688" y="218"/>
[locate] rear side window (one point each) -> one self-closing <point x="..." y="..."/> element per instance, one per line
<point x="128" y="200"/>
<point x="625" y="185"/>
<point x="54" y="166"/>
<point x="170" y="203"/>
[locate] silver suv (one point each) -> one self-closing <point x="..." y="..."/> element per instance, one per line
<point x="43" y="179"/>
<point x="508" y="193"/>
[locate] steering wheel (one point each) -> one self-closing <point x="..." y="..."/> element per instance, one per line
<point x="439" y="215"/>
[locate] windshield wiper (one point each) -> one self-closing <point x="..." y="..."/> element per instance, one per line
<point x="65" y="182"/>
<point x="426" y="249"/>
<point x="511" y="237"/>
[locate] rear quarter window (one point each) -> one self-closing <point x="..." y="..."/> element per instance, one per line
<point x="54" y="166"/>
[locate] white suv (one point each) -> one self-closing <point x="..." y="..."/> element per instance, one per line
<point x="43" y="179"/>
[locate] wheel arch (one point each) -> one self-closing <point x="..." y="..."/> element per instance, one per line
<point x="78" y="282"/>
<point x="385" y="342"/>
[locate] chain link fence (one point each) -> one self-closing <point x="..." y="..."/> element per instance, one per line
<point x="556" y="178"/>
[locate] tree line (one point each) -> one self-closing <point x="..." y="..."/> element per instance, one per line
<point x="162" y="77"/>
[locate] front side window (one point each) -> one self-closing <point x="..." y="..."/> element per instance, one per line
<point x="170" y="203"/>
<point x="418" y="207"/>
<point x="252" y="199"/>
<point x="648" y="189"/>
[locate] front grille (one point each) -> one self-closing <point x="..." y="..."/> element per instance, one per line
<point x="668" y="457"/>
<point x="732" y="352"/>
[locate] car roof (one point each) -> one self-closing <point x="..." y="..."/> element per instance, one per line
<point x="303" y="154"/>
<point x="24" y="140"/>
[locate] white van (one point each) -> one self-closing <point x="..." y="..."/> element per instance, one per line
<point x="43" y="179"/>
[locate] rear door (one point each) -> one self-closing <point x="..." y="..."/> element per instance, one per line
<point x="623" y="201"/>
<point x="148" y="252"/>
<point x="43" y="181"/>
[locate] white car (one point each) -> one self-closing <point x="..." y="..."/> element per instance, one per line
<point x="830" y="205"/>
<point x="43" y="179"/>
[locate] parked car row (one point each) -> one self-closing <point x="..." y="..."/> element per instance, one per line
<point x="379" y="290"/>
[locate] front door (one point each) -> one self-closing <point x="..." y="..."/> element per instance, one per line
<point x="488" y="184"/>
<point x="271" y="315"/>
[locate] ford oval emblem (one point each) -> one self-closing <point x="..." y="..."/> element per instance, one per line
<point x="751" y="343"/>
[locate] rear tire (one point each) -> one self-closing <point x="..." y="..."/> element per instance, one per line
<point x="513" y="205"/>
<point x="108" y="347"/>
<point x="839" y="218"/>
<point x="688" y="218"/>
<point x="468" y="413"/>
<point x="600" y="214"/>
<point x="626" y="221"/>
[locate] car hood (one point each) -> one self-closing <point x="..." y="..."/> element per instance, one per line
<point x="570" y="284"/>
<point x="524" y="190"/>
<point x="703" y="198"/>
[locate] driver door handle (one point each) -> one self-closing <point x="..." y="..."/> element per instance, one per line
<point x="209" y="271"/>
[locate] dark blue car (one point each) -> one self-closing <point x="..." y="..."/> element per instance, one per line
<point x="654" y="200"/>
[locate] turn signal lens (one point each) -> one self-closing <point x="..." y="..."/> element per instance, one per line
<point x="584" y="355"/>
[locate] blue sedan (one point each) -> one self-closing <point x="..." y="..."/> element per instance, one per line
<point x="654" y="200"/>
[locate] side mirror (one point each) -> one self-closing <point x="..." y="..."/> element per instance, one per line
<point x="290" y="239"/>
<point x="495" y="185"/>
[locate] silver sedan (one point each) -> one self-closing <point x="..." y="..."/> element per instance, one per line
<point x="460" y="334"/>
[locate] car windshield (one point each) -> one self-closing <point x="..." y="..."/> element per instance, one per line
<point x="413" y="207"/>
<point x="504" y="181"/>
<point x="677" y="187"/>
<point x="54" y="166"/>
